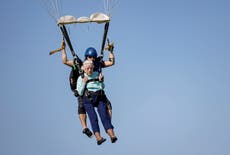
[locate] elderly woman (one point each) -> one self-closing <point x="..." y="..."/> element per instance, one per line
<point x="90" y="87"/>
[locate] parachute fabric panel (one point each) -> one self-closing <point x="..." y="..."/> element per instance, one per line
<point x="95" y="17"/>
<point x="67" y="20"/>
<point x="99" y="18"/>
<point x="83" y="20"/>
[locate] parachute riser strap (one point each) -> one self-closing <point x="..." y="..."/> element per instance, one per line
<point x="106" y="28"/>
<point x="76" y="59"/>
<point x="67" y="39"/>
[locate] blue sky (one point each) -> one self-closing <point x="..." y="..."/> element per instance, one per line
<point x="169" y="88"/>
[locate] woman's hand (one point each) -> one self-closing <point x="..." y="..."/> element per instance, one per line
<point x="101" y="77"/>
<point x="85" y="79"/>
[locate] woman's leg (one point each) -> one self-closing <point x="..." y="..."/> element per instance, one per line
<point x="92" y="115"/>
<point x="106" y="121"/>
<point x="104" y="116"/>
<point x="93" y="120"/>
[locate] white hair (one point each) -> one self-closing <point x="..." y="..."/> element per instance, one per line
<point x="87" y="63"/>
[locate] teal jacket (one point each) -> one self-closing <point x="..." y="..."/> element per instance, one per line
<point x="91" y="86"/>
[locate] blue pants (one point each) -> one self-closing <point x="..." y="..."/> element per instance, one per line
<point x="99" y="102"/>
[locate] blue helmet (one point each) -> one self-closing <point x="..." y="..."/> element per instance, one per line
<point x="90" y="52"/>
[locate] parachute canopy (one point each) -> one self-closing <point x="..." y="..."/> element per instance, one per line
<point x="95" y="17"/>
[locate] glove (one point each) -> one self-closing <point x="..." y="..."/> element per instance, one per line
<point x="75" y="92"/>
<point x="63" y="44"/>
<point x="110" y="47"/>
<point x="101" y="77"/>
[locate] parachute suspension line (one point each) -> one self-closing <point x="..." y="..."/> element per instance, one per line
<point x="58" y="8"/>
<point x="106" y="6"/>
<point x="109" y="5"/>
<point x="53" y="8"/>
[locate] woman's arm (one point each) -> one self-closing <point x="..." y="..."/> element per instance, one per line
<point x="81" y="83"/>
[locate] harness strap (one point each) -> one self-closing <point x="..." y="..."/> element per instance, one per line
<point x="88" y="93"/>
<point x="92" y="80"/>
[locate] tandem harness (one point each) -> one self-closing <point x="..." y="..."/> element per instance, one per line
<point x="89" y="94"/>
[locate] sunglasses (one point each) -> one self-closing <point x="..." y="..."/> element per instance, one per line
<point x="91" y="57"/>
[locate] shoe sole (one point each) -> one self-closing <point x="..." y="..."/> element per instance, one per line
<point x="101" y="141"/>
